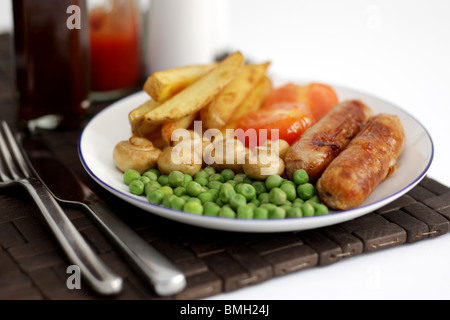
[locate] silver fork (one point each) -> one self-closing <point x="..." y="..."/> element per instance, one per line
<point x="15" y="170"/>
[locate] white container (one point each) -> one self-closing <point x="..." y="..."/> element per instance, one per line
<point x="184" y="32"/>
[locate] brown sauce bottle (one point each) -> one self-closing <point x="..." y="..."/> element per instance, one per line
<point x="51" y="43"/>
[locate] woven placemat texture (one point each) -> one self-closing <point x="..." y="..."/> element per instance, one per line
<point x="32" y="266"/>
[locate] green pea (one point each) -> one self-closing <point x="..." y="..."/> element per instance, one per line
<point x="306" y="191"/>
<point x="201" y="177"/>
<point x="202" y="181"/>
<point x="314" y="199"/>
<point x="245" y="212"/>
<point x="209" y="170"/>
<point x="227" y="212"/>
<point x="154" y="184"/>
<point x="320" y="209"/>
<point x="136" y="187"/>
<point x="155" y="171"/>
<point x="151" y="175"/>
<point x="277" y="213"/>
<point x="215" y="193"/>
<point x="263" y="197"/>
<point x="186" y="179"/>
<point x="214" y="185"/>
<point x="286" y="207"/>
<point x="247" y="190"/>
<point x="192" y="199"/>
<point x="178" y="203"/>
<point x="225" y="194"/>
<point x="216" y="177"/>
<point x="201" y="174"/>
<point x="240" y="177"/>
<point x="290" y="191"/>
<point x="289" y="182"/>
<point x="227" y="174"/>
<point x="163" y="180"/>
<point x="179" y="191"/>
<point x="175" y="178"/>
<point x="268" y="206"/>
<point x="130" y="175"/>
<point x="185" y="197"/>
<point x="308" y="210"/>
<point x="166" y="190"/>
<point x="193" y="188"/>
<point x="277" y="196"/>
<point x="193" y="207"/>
<point x="260" y="213"/>
<point x="248" y="180"/>
<point x="252" y="205"/>
<point x="260" y="187"/>
<point x="206" y="197"/>
<point x="273" y="181"/>
<point x="219" y="202"/>
<point x="298" y="202"/>
<point x="301" y="177"/>
<point x="211" y="209"/>
<point x="232" y="182"/>
<point x="237" y="201"/>
<point x="144" y="179"/>
<point x="294" y="212"/>
<point x="155" y="196"/>
<point x="255" y="202"/>
<point x="167" y="201"/>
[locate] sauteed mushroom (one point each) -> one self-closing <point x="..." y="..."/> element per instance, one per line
<point x="136" y="153"/>
<point x="262" y="162"/>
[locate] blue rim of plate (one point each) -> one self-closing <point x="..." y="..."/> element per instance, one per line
<point x="242" y="224"/>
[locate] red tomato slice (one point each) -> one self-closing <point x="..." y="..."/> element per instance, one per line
<point x="285" y="121"/>
<point x="318" y="96"/>
<point x="321" y="98"/>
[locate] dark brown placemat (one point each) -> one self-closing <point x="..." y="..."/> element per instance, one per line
<point x="32" y="266"/>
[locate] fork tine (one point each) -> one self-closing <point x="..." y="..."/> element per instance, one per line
<point x="3" y="169"/>
<point x="6" y="154"/>
<point x="16" y="153"/>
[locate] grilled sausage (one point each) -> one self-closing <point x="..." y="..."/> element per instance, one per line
<point x="368" y="159"/>
<point x="322" y="142"/>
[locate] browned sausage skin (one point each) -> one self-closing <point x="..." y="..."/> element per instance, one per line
<point x="322" y="142"/>
<point x="368" y="159"/>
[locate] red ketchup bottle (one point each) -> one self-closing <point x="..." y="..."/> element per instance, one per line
<point x="114" y="48"/>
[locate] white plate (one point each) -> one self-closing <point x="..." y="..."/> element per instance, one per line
<point x="111" y="125"/>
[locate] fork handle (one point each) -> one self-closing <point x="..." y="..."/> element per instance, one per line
<point x="97" y="274"/>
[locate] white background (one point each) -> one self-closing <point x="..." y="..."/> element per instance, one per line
<point x="397" y="50"/>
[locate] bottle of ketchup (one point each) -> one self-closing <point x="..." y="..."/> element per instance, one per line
<point x="114" y="48"/>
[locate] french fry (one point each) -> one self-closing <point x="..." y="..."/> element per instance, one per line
<point x="251" y="103"/>
<point x="219" y="111"/>
<point x="200" y="93"/>
<point x="139" y="127"/>
<point x="135" y="116"/>
<point x="162" y="85"/>
<point x="168" y="128"/>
